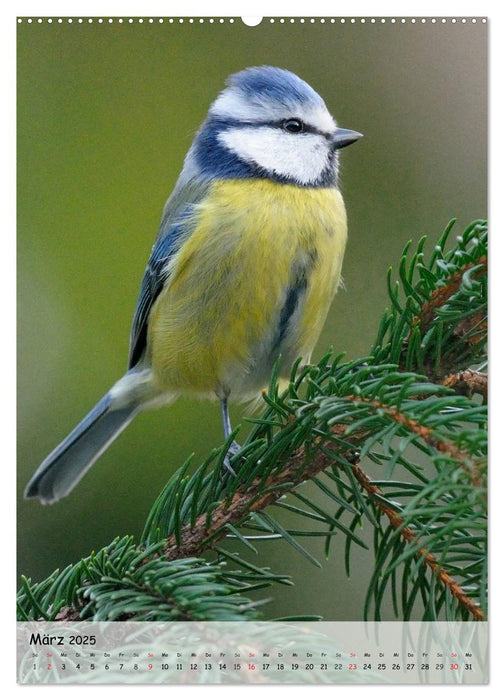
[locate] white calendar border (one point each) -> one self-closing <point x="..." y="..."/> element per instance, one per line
<point x="202" y="9"/>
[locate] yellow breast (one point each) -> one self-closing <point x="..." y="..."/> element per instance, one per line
<point x="254" y="280"/>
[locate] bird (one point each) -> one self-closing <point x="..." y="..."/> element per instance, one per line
<point x="242" y="272"/>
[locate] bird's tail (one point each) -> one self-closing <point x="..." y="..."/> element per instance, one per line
<point x="67" y="464"/>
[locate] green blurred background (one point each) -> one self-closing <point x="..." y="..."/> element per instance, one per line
<point x="106" y="113"/>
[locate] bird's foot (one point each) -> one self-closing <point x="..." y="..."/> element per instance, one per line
<point x="234" y="448"/>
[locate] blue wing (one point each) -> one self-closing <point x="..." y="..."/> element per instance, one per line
<point x="152" y="284"/>
<point x="177" y="224"/>
<point x="153" y="281"/>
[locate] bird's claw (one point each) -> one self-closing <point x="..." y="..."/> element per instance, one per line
<point x="234" y="448"/>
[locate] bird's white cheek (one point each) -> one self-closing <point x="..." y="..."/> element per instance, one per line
<point x="299" y="157"/>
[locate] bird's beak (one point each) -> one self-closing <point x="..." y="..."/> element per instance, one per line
<point x="344" y="137"/>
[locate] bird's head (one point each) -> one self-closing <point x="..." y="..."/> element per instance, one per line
<point x="268" y="123"/>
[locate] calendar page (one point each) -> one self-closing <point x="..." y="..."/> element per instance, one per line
<point x="252" y="369"/>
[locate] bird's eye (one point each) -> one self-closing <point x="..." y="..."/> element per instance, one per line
<point x="295" y="126"/>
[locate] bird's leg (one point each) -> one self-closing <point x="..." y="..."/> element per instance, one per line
<point x="234" y="446"/>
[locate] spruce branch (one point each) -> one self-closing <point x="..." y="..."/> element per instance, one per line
<point x="437" y="324"/>
<point x="304" y="464"/>
<point x="411" y="410"/>
<point x="254" y="497"/>
<point x="441" y="295"/>
<point x="127" y="582"/>
<point x="428" y="435"/>
<point x="409" y="536"/>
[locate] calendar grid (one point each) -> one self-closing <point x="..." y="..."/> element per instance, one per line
<point x="252" y="652"/>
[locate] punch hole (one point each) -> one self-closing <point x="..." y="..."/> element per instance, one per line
<point x="251" y="21"/>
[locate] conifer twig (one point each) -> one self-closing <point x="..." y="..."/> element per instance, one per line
<point x="256" y="497"/>
<point x="409" y="536"/>
<point x="446" y="446"/>
<point x="441" y="294"/>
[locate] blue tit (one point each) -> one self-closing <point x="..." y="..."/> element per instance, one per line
<point x="243" y="270"/>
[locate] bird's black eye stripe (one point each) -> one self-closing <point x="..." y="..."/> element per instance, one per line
<point x="294" y="126"/>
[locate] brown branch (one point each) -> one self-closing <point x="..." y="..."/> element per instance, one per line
<point x="467" y="383"/>
<point x="409" y="536"/>
<point x="440" y="295"/>
<point x="257" y="496"/>
<point x="300" y="467"/>
<point x="251" y="500"/>
<point x="298" y="470"/>
<point x="67" y="613"/>
<point x="427" y="434"/>
<point x="471" y="330"/>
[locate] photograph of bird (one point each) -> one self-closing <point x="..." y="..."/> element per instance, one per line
<point x="243" y="270"/>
